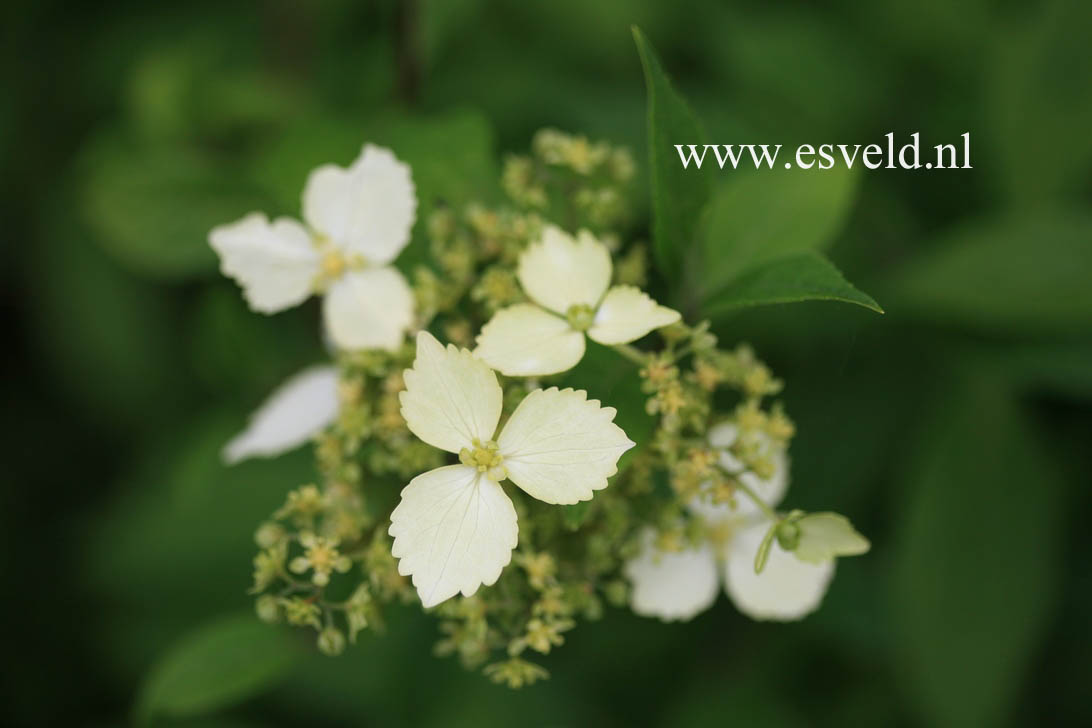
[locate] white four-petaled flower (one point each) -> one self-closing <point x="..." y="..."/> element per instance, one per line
<point x="455" y="528"/>
<point x="357" y="222"/>
<point x="678" y="585"/>
<point x="567" y="279"/>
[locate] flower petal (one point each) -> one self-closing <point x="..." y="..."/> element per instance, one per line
<point x="717" y="514"/>
<point x="559" y="446"/>
<point x="451" y="397"/>
<point x="558" y="272"/>
<point x="787" y="588"/>
<point x="672" y="585"/>
<point x="824" y="536"/>
<point x="525" y="341"/>
<point x="627" y="314"/>
<point x="369" y="309"/>
<point x="453" y="530"/>
<point x="367" y="209"/>
<point x="275" y="263"/>
<point x="299" y="409"/>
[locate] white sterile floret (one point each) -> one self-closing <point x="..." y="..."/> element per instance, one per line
<point x="567" y="279"/>
<point x="455" y="528"/>
<point x="297" y="411"/>
<point x="676" y="585"/>
<point x="787" y="589"/>
<point x="672" y="585"/>
<point x="358" y="221"/>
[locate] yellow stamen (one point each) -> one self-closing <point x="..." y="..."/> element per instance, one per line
<point x="485" y="459"/>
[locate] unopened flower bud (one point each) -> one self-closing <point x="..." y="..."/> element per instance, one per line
<point x="331" y="642"/>
<point x="268" y="608"/>
<point x="788" y="535"/>
<point x="268" y="534"/>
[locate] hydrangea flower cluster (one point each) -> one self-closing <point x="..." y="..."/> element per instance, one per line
<point x="480" y="479"/>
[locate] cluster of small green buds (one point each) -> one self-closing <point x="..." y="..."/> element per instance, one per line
<point x="571" y="179"/>
<point x="515" y="673"/>
<point x="496" y="289"/>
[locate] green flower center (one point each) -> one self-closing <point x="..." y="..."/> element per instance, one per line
<point x="581" y="316"/>
<point x="485" y="458"/>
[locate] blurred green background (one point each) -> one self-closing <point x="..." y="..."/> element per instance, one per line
<point x="955" y="430"/>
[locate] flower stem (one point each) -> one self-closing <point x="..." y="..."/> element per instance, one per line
<point x="634" y="354"/>
<point x="762" y="505"/>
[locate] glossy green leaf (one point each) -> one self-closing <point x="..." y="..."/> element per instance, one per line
<point x="974" y="574"/>
<point x="678" y="194"/>
<point x="1029" y="275"/>
<point x="802" y="276"/>
<point x="755" y="217"/>
<point x="218" y="665"/>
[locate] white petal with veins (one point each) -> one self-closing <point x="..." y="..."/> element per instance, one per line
<point x="451" y="397"/>
<point x="525" y="340"/>
<point x="453" y="530"/>
<point x="558" y="272"/>
<point x="559" y="446"/>
<point x="627" y="314"/>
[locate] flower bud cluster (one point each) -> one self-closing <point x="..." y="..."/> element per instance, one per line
<point x="569" y="178"/>
<point x="324" y="559"/>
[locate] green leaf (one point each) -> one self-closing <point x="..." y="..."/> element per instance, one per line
<point x="218" y="665"/>
<point x="1029" y="275"/>
<point x="152" y="207"/>
<point x="757" y="217"/>
<point x="802" y="276"/>
<point x="976" y="551"/>
<point x="678" y="194"/>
